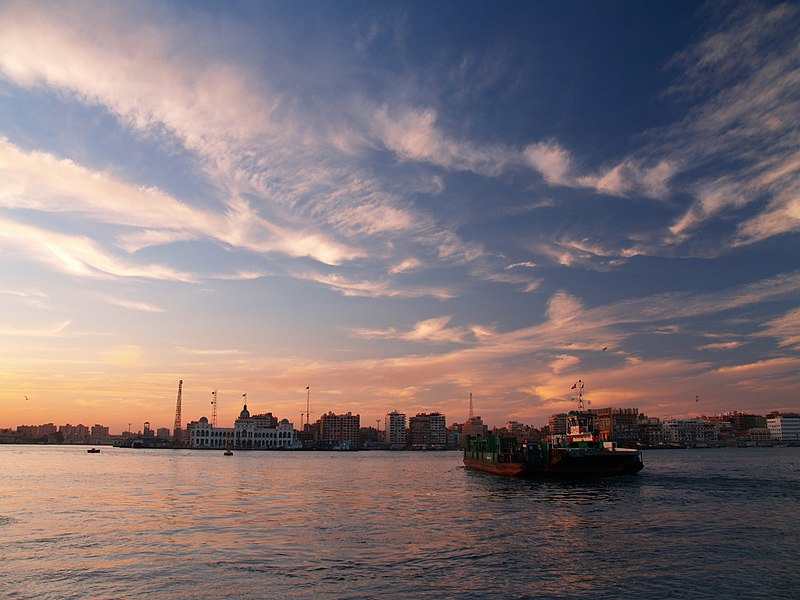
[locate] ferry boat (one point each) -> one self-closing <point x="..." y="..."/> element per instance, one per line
<point x="579" y="453"/>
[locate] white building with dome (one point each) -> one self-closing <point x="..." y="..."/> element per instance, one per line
<point x="258" y="432"/>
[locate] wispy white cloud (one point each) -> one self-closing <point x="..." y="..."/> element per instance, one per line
<point x="76" y="255"/>
<point x="131" y="304"/>
<point x="785" y="329"/>
<point x="552" y="160"/>
<point x="52" y="330"/>
<point x="629" y="178"/>
<point x="408" y="264"/>
<point x="744" y="72"/>
<point x="376" y="288"/>
<point x="413" y="134"/>
<point x="721" y="345"/>
<point x="431" y="331"/>
<point x="35" y="298"/>
<point x="39" y="181"/>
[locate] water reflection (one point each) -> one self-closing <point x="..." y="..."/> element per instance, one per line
<point x="200" y="525"/>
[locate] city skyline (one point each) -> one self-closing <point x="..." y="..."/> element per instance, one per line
<point x="299" y="424"/>
<point x="397" y="205"/>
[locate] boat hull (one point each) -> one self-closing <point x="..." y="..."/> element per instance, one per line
<point x="577" y="463"/>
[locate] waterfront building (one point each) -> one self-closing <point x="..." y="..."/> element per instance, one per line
<point x="689" y="431"/>
<point x="35" y="432"/>
<point x="558" y="424"/>
<point x="369" y="437"/>
<point x="756" y="434"/>
<point x="247" y="433"/>
<point x="162" y="433"/>
<point x="341" y="431"/>
<point x="428" y="430"/>
<point x="618" y="424"/>
<point x="650" y="431"/>
<point x="99" y="434"/>
<point x="521" y="432"/>
<point x="784" y="427"/>
<point x="475" y="427"/>
<point x="395" y="428"/>
<point x="454" y="435"/>
<point x="75" y="433"/>
<point x="742" y="422"/>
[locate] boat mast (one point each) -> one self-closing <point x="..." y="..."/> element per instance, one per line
<point x="579" y="386"/>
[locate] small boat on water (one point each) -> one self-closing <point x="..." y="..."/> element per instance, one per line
<point x="579" y="453"/>
<point x="228" y="451"/>
<point x="93" y="450"/>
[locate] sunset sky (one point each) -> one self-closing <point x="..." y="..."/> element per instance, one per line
<point x="397" y="204"/>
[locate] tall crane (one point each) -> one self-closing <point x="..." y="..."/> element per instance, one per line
<point x="177" y="432"/>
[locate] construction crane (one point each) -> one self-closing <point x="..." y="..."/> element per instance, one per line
<point x="214" y="408"/>
<point x="177" y="433"/>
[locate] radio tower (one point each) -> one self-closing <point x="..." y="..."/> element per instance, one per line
<point x="214" y="408"/>
<point x="177" y="433"/>
<point x="471" y="412"/>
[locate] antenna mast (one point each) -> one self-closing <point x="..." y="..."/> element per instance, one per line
<point x="471" y="412"/>
<point x="308" y="405"/>
<point x="177" y="434"/>
<point x="214" y="408"/>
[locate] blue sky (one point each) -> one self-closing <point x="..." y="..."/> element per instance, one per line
<point x="397" y="204"/>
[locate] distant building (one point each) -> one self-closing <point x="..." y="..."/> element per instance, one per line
<point x="99" y="434"/>
<point x="618" y="424"/>
<point x="519" y="431"/>
<point x="558" y="424"/>
<point x="248" y="433"/>
<point x="75" y="433"/>
<point x="454" y="435"/>
<point x="784" y="427"/>
<point x="474" y="426"/>
<point x="689" y="431"/>
<point x="650" y="431"/>
<point x="340" y="430"/>
<point x="395" y="429"/>
<point x="369" y="437"/>
<point x="428" y="430"/>
<point x="162" y="433"/>
<point x="37" y="432"/>
<point x="743" y="422"/>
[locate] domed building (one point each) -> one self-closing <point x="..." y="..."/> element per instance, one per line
<point x="256" y="432"/>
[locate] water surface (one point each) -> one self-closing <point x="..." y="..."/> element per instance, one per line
<point x="195" y="524"/>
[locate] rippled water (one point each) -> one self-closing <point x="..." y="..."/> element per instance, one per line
<point x="164" y="524"/>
